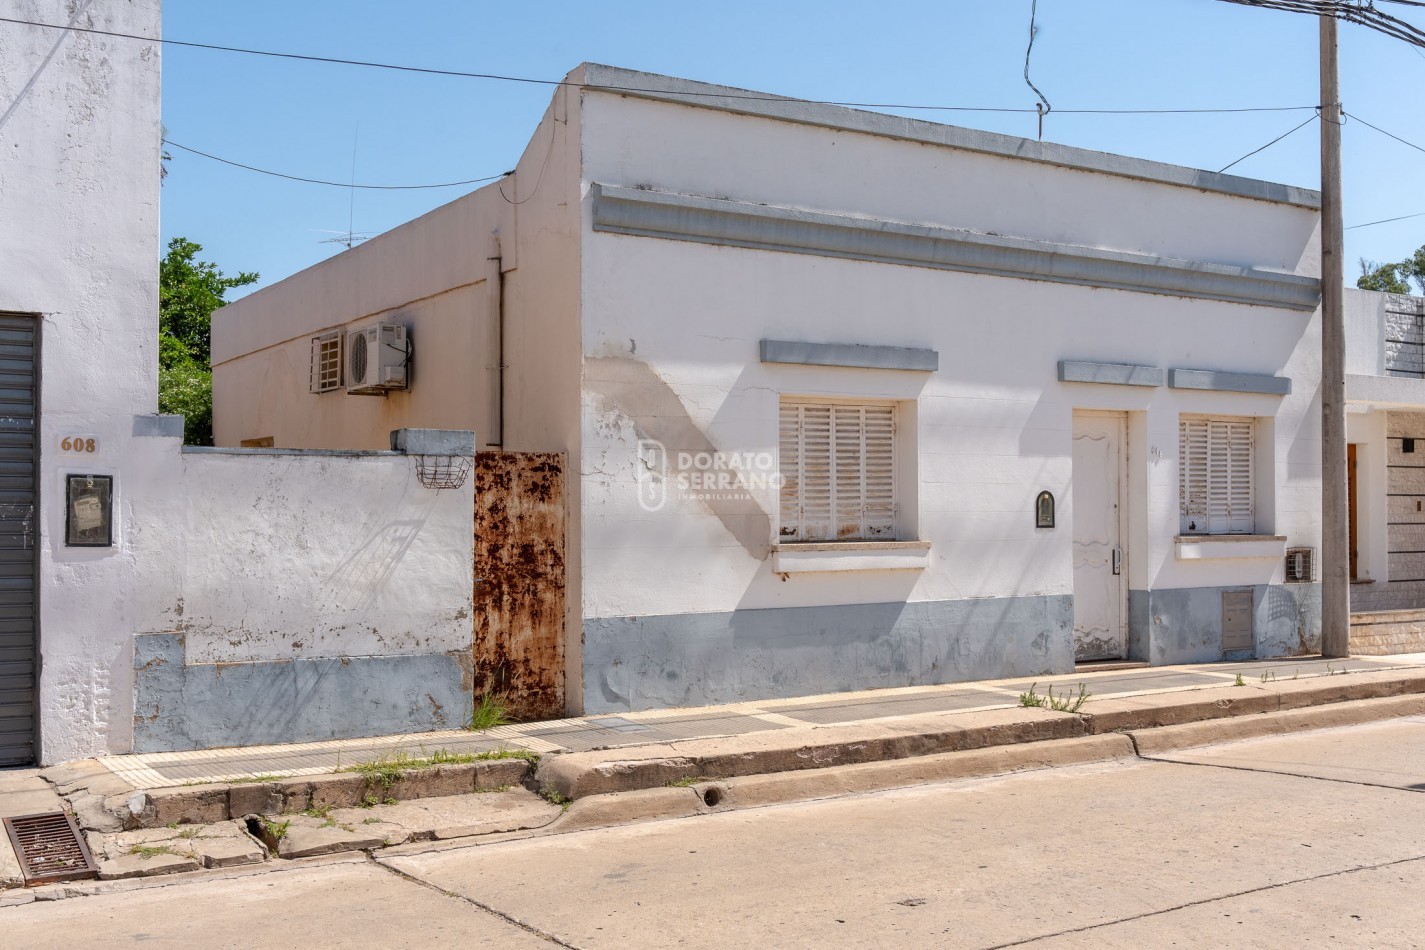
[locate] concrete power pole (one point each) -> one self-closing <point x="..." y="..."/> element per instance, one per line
<point x="1335" y="534"/>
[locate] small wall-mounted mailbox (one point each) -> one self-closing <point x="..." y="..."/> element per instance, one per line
<point x="1044" y="510"/>
<point x="89" y="511"/>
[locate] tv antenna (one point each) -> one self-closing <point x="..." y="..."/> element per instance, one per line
<point x="349" y="237"/>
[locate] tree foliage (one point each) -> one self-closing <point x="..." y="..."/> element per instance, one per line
<point x="189" y="290"/>
<point x="1394" y="278"/>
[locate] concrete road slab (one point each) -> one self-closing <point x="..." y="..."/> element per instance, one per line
<point x="1319" y="913"/>
<point x="981" y="863"/>
<point x="347" y="906"/>
<point x="1390" y="754"/>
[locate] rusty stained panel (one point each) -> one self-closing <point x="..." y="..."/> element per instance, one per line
<point x="519" y="581"/>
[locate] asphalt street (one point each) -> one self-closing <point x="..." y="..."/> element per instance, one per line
<point x="1316" y="839"/>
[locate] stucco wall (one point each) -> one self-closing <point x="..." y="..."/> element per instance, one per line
<point x="432" y="274"/>
<point x="263" y="567"/>
<point x="671" y="331"/>
<point x="79" y="158"/>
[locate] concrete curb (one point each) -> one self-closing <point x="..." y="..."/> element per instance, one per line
<point x="581" y="774"/>
<point x="697" y="761"/>
<point x="1150" y="742"/>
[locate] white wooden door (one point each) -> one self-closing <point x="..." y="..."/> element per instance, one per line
<point x="1100" y="572"/>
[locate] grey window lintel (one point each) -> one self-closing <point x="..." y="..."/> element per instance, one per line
<point x="850" y="354"/>
<point x="1229" y="382"/>
<point x="1114" y="374"/>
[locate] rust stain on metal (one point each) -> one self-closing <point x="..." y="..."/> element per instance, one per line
<point x="519" y="581"/>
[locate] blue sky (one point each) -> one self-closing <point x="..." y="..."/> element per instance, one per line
<point x="302" y="118"/>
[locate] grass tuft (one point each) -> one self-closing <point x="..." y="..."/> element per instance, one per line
<point x="1069" y="702"/>
<point x="489" y="712"/>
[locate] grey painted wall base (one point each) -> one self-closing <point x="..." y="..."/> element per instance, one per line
<point x="1185" y="625"/>
<point x="633" y="663"/>
<point x="180" y="708"/>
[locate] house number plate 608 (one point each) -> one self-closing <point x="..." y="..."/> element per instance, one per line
<point x="82" y="444"/>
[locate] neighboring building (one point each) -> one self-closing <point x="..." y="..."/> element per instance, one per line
<point x="814" y="370"/>
<point x="1385" y="404"/>
<point x="153" y="598"/>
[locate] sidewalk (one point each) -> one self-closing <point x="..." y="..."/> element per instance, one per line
<point x="169" y="813"/>
<point x="592" y="733"/>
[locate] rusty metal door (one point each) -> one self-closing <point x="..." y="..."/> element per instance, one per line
<point x="519" y="581"/>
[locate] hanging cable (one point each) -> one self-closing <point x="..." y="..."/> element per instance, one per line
<point x="1403" y="217"/>
<point x="1274" y="141"/>
<point x="1042" y="106"/>
<point x="1383" y="131"/>
<point x="334" y="184"/>
<point x="754" y="97"/>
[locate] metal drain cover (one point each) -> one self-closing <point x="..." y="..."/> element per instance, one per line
<point x="50" y="848"/>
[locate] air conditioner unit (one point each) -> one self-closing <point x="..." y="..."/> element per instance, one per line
<point x="377" y="358"/>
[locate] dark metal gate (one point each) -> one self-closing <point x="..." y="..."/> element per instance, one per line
<point x="18" y="454"/>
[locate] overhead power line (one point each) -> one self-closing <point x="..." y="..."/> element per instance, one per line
<point x="334" y="184"/>
<point x="461" y="74"/>
<point x="1352" y="12"/>
<point x="1383" y="131"/>
<point x="1274" y="141"/>
<point x="1403" y="217"/>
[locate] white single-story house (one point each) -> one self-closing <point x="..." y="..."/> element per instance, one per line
<point x="848" y="400"/>
<point x="1385" y="406"/>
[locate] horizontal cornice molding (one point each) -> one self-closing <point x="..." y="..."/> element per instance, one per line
<point x="721" y="221"/>
<point x="641" y="85"/>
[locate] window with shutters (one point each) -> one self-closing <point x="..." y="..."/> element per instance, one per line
<point x="1215" y="483"/>
<point x="326" y="363"/>
<point x="837" y="463"/>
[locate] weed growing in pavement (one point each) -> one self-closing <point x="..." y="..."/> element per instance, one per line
<point x="488" y="713"/>
<point x="254" y="779"/>
<point x="1268" y="676"/>
<point x="688" y="781"/>
<point x="390" y="769"/>
<point x="1239" y="681"/>
<point x="276" y="829"/>
<point x="552" y="795"/>
<point x="497" y="788"/>
<point x="150" y="851"/>
<point x="1069" y="702"/>
<point x="371" y="821"/>
<point x="190" y="832"/>
<point x="323" y="810"/>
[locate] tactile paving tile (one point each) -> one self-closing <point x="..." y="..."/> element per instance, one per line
<point x="609" y="732"/>
<point x="824" y="713"/>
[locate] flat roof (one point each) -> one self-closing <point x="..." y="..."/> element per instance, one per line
<point x="629" y="82"/>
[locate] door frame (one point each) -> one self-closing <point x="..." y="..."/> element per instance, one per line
<point x="1121" y="416"/>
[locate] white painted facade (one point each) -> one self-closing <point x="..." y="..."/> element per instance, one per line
<point x="1385" y="405"/>
<point x="263" y="562"/>
<point x="666" y="230"/>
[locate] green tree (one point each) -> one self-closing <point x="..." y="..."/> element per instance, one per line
<point x="189" y="290"/>
<point x="1394" y="278"/>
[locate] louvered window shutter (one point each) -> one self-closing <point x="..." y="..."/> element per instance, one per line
<point x="838" y="472"/>
<point x="1215" y="475"/>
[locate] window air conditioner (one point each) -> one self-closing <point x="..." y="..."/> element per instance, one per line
<point x="377" y="358"/>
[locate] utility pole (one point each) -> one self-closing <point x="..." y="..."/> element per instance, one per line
<point x="1335" y="534"/>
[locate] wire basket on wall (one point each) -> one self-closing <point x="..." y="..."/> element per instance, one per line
<point x="442" y="471"/>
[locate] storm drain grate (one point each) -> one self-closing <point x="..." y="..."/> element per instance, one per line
<point x="49" y="848"/>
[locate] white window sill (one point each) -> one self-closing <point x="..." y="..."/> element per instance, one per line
<point x="1193" y="547"/>
<point x="851" y="556"/>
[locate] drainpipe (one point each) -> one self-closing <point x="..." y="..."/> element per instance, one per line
<point x="500" y="345"/>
